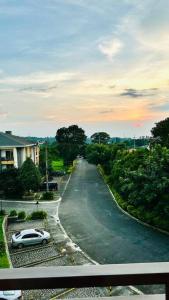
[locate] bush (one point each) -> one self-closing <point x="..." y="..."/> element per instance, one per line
<point x="39" y="214"/>
<point x="13" y="213"/>
<point x="2" y="212"/>
<point x="2" y="247"/>
<point x="130" y="208"/>
<point x="47" y="196"/>
<point x="21" y="215"/>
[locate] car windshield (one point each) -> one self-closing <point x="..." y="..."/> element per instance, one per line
<point x="17" y="233"/>
<point x="40" y="231"/>
<point x="9" y="293"/>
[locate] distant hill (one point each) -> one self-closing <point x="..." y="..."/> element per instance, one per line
<point x="130" y="142"/>
<point x="35" y="139"/>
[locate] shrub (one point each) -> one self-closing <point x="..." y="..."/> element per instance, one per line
<point x="123" y="205"/>
<point x="48" y="196"/>
<point x="13" y="213"/>
<point x="2" y="247"/>
<point x="130" y="209"/>
<point x="2" y="212"/>
<point x="21" y="215"/>
<point x="39" y="214"/>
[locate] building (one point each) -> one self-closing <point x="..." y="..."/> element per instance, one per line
<point x="14" y="150"/>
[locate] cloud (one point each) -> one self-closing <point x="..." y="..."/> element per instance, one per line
<point x="106" y="111"/>
<point x="37" y="78"/>
<point x="3" y="114"/>
<point x="161" y="107"/>
<point x="38" y="89"/>
<point x="39" y="83"/>
<point x="110" y="48"/>
<point x="138" y="93"/>
<point x="138" y="124"/>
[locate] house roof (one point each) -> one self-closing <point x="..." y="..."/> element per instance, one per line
<point x="9" y="140"/>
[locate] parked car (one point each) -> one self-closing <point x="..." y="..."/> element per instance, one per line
<point x="30" y="237"/>
<point x="58" y="173"/>
<point x="10" y="295"/>
<point x="53" y="186"/>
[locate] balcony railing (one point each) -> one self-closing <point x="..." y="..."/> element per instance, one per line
<point x="89" y="276"/>
<point x="6" y="158"/>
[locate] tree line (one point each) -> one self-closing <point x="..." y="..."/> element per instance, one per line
<point x="139" y="178"/>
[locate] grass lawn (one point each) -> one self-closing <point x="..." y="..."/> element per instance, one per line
<point x="3" y="257"/>
<point x="58" y="165"/>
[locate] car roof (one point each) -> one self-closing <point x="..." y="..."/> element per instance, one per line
<point x="5" y="294"/>
<point x="26" y="231"/>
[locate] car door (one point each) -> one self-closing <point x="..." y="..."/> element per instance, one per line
<point x="27" y="239"/>
<point x="36" y="238"/>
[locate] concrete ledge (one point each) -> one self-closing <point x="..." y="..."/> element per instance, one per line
<point x="4" y="224"/>
<point x="138" y="297"/>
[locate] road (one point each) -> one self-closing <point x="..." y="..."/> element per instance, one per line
<point x="93" y="221"/>
<point x="28" y="207"/>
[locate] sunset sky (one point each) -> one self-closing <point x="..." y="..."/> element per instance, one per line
<point x="100" y="64"/>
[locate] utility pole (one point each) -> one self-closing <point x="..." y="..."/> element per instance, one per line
<point x="46" y="159"/>
<point x="134" y="142"/>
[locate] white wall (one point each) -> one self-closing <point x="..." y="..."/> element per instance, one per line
<point x="3" y="153"/>
<point x="15" y="158"/>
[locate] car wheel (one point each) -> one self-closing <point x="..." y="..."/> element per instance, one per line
<point x="44" y="242"/>
<point x="20" y="246"/>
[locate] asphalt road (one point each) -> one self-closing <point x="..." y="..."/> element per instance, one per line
<point x="93" y="221"/>
<point x="50" y="208"/>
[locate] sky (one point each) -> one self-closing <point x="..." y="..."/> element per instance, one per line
<point x="103" y="65"/>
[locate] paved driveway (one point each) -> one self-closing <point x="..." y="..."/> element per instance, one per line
<point x="93" y="221"/>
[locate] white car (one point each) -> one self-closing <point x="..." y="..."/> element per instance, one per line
<point x="10" y="295"/>
<point x="30" y="237"/>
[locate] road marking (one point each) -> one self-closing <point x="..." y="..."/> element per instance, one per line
<point x="38" y="262"/>
<point x="63" y="293"/>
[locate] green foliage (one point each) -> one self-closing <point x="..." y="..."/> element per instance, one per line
<point x="21" y="215"/>
<point x="39" y="214"/>
<point x="58" y="165"/>
<point x="10" y="183"/>
<point x="13" y="213"/>
<point x="30" y="176"/>
<point x="161" y="132"/>
<point x="140" y="179"/>
<point x="3" y="257"/>
<point x="100" y="138"/>
<point x="47" y="196"/>
<point x="2" y="212"/>
<point x="2" y="247"/>
<point x="71" y="142"/>
<point x="53" y="155"/>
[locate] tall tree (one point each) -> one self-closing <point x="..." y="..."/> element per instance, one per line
<point x="100" y="138"/>
<point x="161" y="132"/>
<point x="10" y="183"/>
<point x="71" y="142"/>
<point x="30" y="176"/>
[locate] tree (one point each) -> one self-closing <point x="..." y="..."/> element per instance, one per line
<point x="100" y="138"/>
<point x="53" y="154"/>
<point x="10" y="183"/>
<point x="29" y="176"/>
<point x="161" y="132"/>
<point x="71" y="142"/>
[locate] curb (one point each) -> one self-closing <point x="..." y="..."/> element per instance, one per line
<point x="134" y="218"/>
<point x="5" y="240"/>
<point x="34" y="202"/>
<point x="129" y="215"/>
